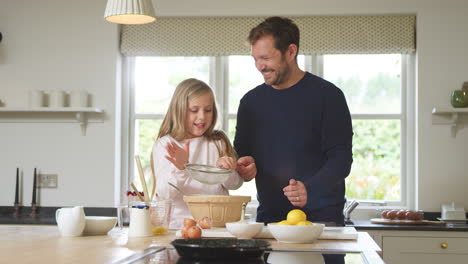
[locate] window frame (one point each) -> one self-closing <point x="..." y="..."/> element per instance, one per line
<point x="219" y="81"/>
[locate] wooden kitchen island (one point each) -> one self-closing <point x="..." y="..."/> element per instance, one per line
<point x="43" y="244"/>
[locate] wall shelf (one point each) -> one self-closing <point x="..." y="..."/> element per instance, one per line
<point x="448" y="116"/>
<point x="52" y="115"/>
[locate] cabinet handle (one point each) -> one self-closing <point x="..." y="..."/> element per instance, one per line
<point x="443" y="245"/>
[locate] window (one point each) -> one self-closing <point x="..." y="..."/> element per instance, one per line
<point x="155" y="79"/>
<point x="374" y="86"/>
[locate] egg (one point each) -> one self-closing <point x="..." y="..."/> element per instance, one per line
<point x="411" y="215"/>
<point x="401" y="215"/>
<point x="184" y="232"/>
<point x="392" y="214"/>
<point x="194" y="232"/>
<point x="384" y="214"/>
<point x="205" y="222"/>
<point x="188" y="222"/>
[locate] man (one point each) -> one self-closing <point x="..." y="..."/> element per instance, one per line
<point x="293" y="133"/>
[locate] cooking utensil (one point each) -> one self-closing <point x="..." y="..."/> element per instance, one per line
<point x="177" y="188"/>
<point x="220" y="208"/>
<point x="226" y="248"/>
<point x="140" y="254"/>
<point x="153" y="175"/>
<point x="208" y="174"/>
<point x="137" y="192"/>
<point x="142" y="178"/>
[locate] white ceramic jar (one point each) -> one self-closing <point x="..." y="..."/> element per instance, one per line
<point x="78" y="98"/>
<point x="36" y="98"/>
<point x="56" y="99"/>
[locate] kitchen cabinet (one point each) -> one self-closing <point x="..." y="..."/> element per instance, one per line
<point x="448" y="116"/>
<point x="81" y="115"/>
<point x="422" y="246"/>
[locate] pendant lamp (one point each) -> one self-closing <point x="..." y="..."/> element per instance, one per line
<point x="129" y="11"/>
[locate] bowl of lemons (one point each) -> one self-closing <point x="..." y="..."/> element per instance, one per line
<point x="296" y="228"/>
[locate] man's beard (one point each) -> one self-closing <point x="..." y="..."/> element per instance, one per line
<point x="282" y="73"/>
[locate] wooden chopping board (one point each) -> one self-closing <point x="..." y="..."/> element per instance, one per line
<point x="334" y="233"/>
<point x="383" y="221"/>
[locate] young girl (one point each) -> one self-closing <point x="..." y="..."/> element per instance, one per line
<point x="187" y="135"/>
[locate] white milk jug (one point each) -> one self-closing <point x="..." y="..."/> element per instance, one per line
<point x="140" y="223"/>
<point x="70" y="221"/>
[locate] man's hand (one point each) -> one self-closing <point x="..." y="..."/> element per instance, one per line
<point x="246" y="168"/>
<point x="177" y="155"/>
<point x="296" y="193"/>
<point x="226" y="162"/>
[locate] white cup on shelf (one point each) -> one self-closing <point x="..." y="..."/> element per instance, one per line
<point x="36" y="98"/>
<point x="56" y="98"/>
<point x="78" y="98"/>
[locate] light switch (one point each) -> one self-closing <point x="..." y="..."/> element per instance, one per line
<point x="47" y="180"/>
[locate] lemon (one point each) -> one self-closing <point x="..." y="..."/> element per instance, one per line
<point x="159" y="230"/>
<point x="304" y="223"/>
<point x="284" y="222"/>
<point x="295" y="216"/>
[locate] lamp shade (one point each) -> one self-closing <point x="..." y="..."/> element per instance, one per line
<point x="129" y="11"/>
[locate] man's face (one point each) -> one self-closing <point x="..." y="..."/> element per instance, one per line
<point x="271" y="63"/>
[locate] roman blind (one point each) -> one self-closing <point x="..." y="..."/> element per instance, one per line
<point x="222" y="36"/>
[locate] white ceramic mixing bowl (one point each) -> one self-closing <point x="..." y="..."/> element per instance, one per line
<point x="245" y="230"/>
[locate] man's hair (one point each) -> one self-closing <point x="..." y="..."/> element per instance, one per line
<point x="283" y="30"/>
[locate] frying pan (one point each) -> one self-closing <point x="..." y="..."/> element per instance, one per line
<point x="226" y="248"/>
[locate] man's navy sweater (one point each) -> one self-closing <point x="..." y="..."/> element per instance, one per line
<point x="304" y="133"/>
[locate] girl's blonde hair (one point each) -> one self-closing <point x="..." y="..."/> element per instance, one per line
<point x="176" y="116"/>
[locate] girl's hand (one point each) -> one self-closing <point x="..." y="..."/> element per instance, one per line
<point x="226" y="163"/>
<point x="177" y="155"/>
<point x="246" y="168"/>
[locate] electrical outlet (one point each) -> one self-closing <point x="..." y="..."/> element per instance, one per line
<point x="47" y="181"/>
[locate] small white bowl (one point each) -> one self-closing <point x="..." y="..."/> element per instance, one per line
<point x="296" y="234"/>
<point x="99" y="225"/>
<point x="244" y="230"/>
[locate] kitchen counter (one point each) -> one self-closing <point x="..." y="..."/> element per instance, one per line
<point x="43" y="244"/>
<point x="367" y="225"/>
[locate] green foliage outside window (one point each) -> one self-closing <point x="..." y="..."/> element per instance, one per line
<point x="376" y="169"/>
<point x="375" y="173"/>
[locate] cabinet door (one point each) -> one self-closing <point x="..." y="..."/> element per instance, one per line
<point x="425" y="250"/>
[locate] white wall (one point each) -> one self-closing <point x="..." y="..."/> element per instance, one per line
<point x="65" y="45"/>
<point x="50" y="48"/>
